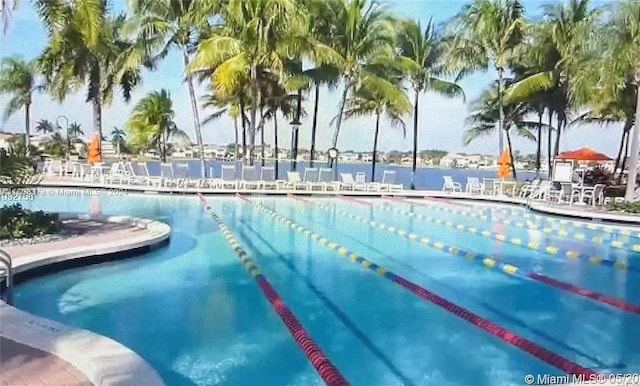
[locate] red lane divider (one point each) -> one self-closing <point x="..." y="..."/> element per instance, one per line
<point x="450" y="202"/>
<point x="297" y="197"/>
<point x="347" y="198"/>
<point x="329" y="373"/>
<point x="502" y="333"/>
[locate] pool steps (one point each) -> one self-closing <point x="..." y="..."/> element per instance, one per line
<point x="487" y="261"/>
<point x="329" y="373"/>
<point x="520" y="242"/>
<point x="505" y="335"/>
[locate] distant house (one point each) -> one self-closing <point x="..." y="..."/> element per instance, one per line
<point x="5" y="139"/>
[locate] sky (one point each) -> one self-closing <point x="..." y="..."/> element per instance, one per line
<point x="441" y="120"/>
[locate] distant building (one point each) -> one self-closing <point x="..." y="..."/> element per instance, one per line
<point x="5" y="139"/>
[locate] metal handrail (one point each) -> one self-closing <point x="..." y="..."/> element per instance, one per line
<point x="7" y="262"/>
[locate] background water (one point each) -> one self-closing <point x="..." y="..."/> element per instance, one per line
<point x="426" y="178"/>
<point x="196" y="315"/>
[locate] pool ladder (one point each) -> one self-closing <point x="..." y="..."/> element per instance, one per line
<point x="6" y="269"/>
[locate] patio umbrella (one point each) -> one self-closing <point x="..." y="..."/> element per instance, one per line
<point x="95" y="151"/>
<point x="504" y="165"/>
<point x="584" y="154"/>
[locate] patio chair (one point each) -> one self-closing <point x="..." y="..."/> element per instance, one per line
<point x="528" y="189"/>
<point x="294" y="181"/>
<point x="474" y="185"/>
<point x="248" y="180"/>
<point x="132" y="176"/>
<point x="182" y="172"/>
<point x="360" y="181"/>
<point x="268" y="177"/>
<point x="386" y="184"/>
<point x="566" y="194"/>
<point x="594" y="195"/>
<point x="229" y="178"/>
<point x="116" y="174"/>
<point x="325" y="178"/>
<point x="143" y="171"/>
<point x="450" y="185"/>
<point x="168" y="175"/>
<point x="311" y="177"/>
<point x="54" y="168"/>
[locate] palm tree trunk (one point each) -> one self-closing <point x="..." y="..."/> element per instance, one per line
<point x="97" y="117"/>
<point x="194" y="109"/>
<point x="27" y="127"/>
<point x="625" y="157"/>
<point x="314" y="123"/>
<point x="415" y="139"/>
<point x="235" y="131"/>
<point x="549" y="134"/>
<point x="560" y="122"/>
<point x="539" y="144"/>
<point x="343" y="102"/>
<point x="500" y="112"/>
<point x="635" y="146"/>
<point x="254" y="111"/>
<point x="375" y="148"/>
<point x="275" y="142"/>
<point x="625" y="132"/>
<point x="296" y="132"/>
<point x="262" y="135"/>
<point x="243" y="124"/>
<point x="513" y="161"/>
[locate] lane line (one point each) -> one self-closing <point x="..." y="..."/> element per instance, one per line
<point x="488" y="261"/>
<point x="327" y="371"/>
<point x="503" y="334"/>
<point x="561" y="233"/>
<point x="546" y="248"/>
<point x="351" y="199"/>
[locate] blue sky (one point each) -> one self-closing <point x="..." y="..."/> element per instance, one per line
<point x="441" y="119"/>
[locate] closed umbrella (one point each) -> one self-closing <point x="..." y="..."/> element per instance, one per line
<point x="504" y="165"/>
<point x="95" y="150"/>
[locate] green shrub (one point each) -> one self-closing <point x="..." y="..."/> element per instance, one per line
<point x="17" y="222"/>
<point x="626" y="207"/>
<point x="615" y="191"/>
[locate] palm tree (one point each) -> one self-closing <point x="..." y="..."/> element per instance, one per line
<point x="117" y="138"/>
<point x="85" y="47"/>
<point x="485" y="113"/>
<point x="375" y="97"/>
<point x="7" y="8"/>
<point x="18" y="78"/>
<point x="256" y="37"/>
<point x="75" y="130"/>
<point x="487" y="33"/>
<point x="166" y="24"/>
<point x="422" y="56"/>
<point x="151" y="123"/>
<point x="44" y="126"/>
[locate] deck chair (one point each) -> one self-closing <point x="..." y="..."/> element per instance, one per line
<point x="450" y="185"/>
<point x="143" y="171"/>
<point x="326" y="181"/>
<point x="294" y="181"/>
<point x="168" y="175"/>
<point x="595" y="195"/>
<point x="526" y="190"/>
<point x="474" y="185"/>
<point x="183" y="173"/>
<point x="229" y="178"/>
<point x="268" y="177"/>
<point x="311" y="177"/>
<point x="116" y="174"/>
<point x="249" y="180"/>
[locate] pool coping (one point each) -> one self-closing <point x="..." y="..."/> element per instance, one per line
<point x="101" y="359"/>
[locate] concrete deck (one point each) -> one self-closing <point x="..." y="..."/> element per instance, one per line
<point x="38" y="351"/>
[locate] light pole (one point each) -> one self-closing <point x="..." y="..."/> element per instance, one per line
<point x="295" y="126"/>
<point x="633" y="162"/>
<point x="332" y="154"/>
<point x="66" y="126"/>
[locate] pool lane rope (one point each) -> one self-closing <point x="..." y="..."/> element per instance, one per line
<point x="561" y="233"/>
<point x="519" y="242"/>
<point x="573" y="223"/>
<point x="318" y="359"/>
<point x="503" y="334"/>
<point x="487" y="261"/>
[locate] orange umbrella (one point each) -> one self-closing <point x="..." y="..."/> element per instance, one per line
<point x="95" y="150"/>
<point x="584" y="154"/>
<point x="504" y="165"/>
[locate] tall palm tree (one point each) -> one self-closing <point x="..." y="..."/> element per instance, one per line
<point x="256" y="37"/>
<point x="162" y="25"/>
<point x="18" y="78"/>
<point x="377" y="98"/>
<point x="45" y="126"/>
<point x="486" y="33"/>
<point x="422" y="56"/>
<point x="86" y="47"/>
<point x="485" y="113"/>
<point x="151" y="123"/>
<point x="117" y="138"/>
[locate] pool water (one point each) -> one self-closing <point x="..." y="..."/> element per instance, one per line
<point x="197" y="316"/>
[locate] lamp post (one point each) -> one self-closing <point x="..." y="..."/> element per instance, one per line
<point x="295" y="126"/>
<point x="66" y="121"/>
<point x="633" y="162"/>
<point x="332" y="154"/>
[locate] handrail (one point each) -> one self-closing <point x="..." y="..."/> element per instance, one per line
<point x="7" y="262"/>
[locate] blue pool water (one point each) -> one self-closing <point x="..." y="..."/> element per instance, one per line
<point x="195" y="314"/>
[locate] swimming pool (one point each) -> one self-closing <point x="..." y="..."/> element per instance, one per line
<point x="196" y="315"/>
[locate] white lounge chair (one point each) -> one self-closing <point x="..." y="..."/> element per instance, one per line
<point x="182" y="172"/>
<point x="249" y="180"/>
<point x="229" y="178"/>
<point x="474" y="186"/>
<point x="526" y="190"/>
<point x="311" y="177"/>
<point x="143" y="171"/>
<point x="325" y="178"/>
<point x="348" y="182"/>
<point x="386" y="184"/>
<point x="294" y="181"/>
<point x="595" y="195"/>
<point x="116" y="174"/>
<point x="450" y="185"/>
<point x="566" y="194"/>
<point x="168" y="175"/>
<point x="268" y="178"/>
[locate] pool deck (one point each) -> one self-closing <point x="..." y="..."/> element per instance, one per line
<point x="584" y="212"/>
<point x="37" y="351"/>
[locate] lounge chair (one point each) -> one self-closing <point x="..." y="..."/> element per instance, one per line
<point x="566" y="194"/>
<point x="168" y="175"/>
<point x="450" y="185"/>
<point x="268" y="177"/>
<point x="474" y="186"/>
<point x="54" y="168"/>
<point x="229" y="178"/>
<point x="248" y="180"/>
<point x="183" y="172"/>
<point x="294" y="181"/>
<point x="325" y="178"/>
<point x="528" y="189"/>
<point x="143" y="171"/>
<point x="386" y="184"/>
<point x="594" y="195"/>
<point x="348" y="182"/>
<point x="311" y="177"/>
<point x="116" y="174"/>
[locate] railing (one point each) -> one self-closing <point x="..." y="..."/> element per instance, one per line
<point x="7" y="264"/>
